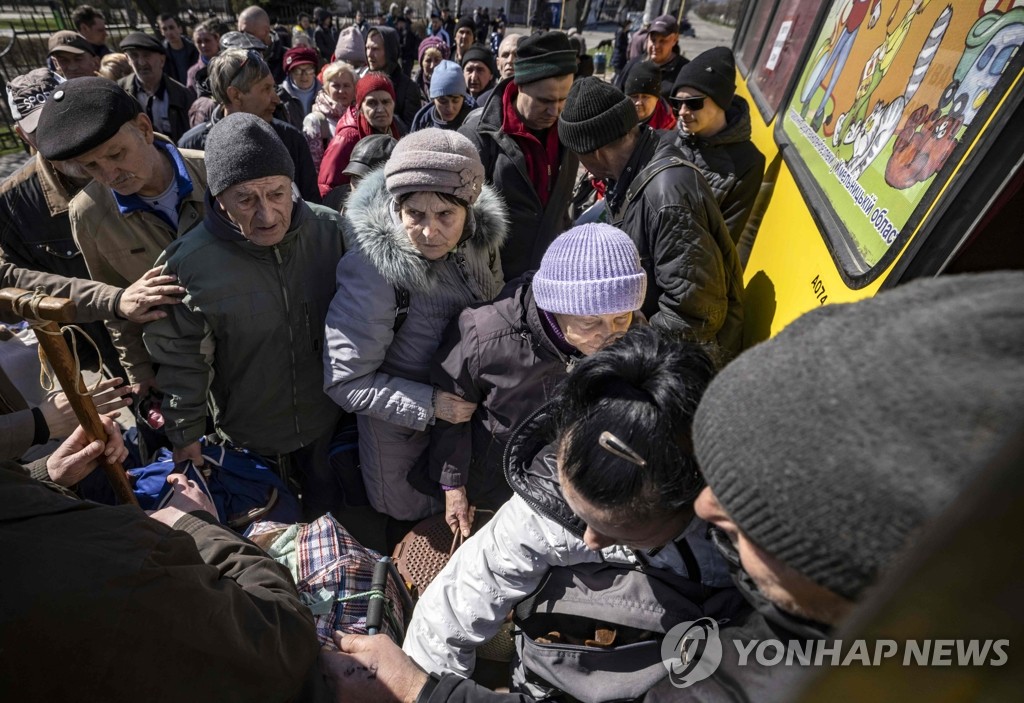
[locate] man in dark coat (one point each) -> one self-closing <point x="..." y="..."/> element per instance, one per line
<point x="666" y="206"/>
<point x="516" y="134"/>
<point x="661" y="47"/>
<point x="383" y="53"/>
<point x="182" y="54"/>
<point x="164" y="100"/>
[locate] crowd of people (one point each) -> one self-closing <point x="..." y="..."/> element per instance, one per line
<point x="524" y="285"/>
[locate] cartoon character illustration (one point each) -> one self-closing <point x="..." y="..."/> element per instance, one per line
<point x="873" y="133"/>
<point x="836" y="52"/>
<point x="875" y="69"/>
<point x="987" y="6"/>
<point x="930" y="136"/>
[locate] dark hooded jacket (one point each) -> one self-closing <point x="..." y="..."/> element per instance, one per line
<point x="695" y="283"/>
<point x="669" y="71"/>
<point x="730" y="162"/>
<point x="407" y="93"/>
<point x="499" y="356"/>
<point x="428" y="117"/>
<point x="532" y="226"/>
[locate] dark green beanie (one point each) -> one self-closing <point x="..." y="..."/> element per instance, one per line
<point x="243" y="147"/>
<point x="833" y="444"/>
<point x="543" y="55"/>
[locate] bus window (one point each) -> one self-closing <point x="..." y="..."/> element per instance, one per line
<point x="753" y="35"/>
<point x="780" y="53"/>
<point x="889" y="104"/>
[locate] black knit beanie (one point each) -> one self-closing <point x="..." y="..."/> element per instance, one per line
<point x="831" y="445"/>
<point x="479" y="52"/>
<point x="243" y="147"/>
<point x="465" y="22"/>
<point x="596" y="114"/>
<point x="644" y="78"/>
<point x="544" y="55"/>
<point x="713" y="73"/>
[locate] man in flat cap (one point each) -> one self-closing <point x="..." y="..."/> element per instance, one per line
<point x="665" y="205"/>
<point x="71" y="55"/>
<point x="516" y="134"/>
<point x="164" y="100"/>
<point x="259" y="275"/>
<point x="661" y="48"/>
<point x="144" y="194"/>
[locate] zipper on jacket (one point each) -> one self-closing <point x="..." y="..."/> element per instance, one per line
<point x="291" y="332"/>
<point x="313" y="345"/>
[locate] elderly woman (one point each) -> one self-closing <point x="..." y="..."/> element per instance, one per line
<point x="337" y="98"/>
<point x="300" y="82"/>
<point x="432" y="51"/>
<point x="449" y="102"/>
<point x="508" y="356"/>
<point x="425" y="235"/>
<point x="374" y="114"/>
<point x="601" y="533"/>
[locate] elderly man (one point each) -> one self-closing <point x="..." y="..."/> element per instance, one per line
<point x="144" y="194"/>
<point x="92" y="25"/>
<point x="810" y="514"/>
<point x="255" y="20"/>
<point x="660" y="48"/>
<point x="383" y="54"/>
<point x="465" y="36"/>
<point x="507" y="55"/>
<point x="164" y="100"/>
<point x="662" y="201"/>
<point x="241" y="82"/>
<point x="259" y="277"/>
<point x="479" y="70"/>
<point x="72" y="56"/>
<point x="517" y="137"/>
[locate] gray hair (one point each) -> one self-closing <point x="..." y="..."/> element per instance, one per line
<point x="235" y="67"/>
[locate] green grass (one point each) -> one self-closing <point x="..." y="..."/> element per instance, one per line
<point x="43" y="23"/>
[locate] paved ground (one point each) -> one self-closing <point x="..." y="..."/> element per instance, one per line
<point x="9" y="163"/>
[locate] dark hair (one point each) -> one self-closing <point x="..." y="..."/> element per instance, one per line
<point x="211" y="26"/>
<point x="446" y="197"/>
<point x="644" y="389"/>
<point x="85" y="14"/>
<point x="164" y="16"/>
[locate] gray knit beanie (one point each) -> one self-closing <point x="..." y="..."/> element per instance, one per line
<point x="243" y="147"/>
<point x="438" y="161"/>
<point x="831" y="445"/>
<point x="595" y="115"/>
<point x="592" y="269"/>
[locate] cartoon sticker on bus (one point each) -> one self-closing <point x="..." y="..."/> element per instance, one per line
<point x="886" y="97"/>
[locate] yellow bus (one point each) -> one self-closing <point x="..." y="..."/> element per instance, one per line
<point x="894" y="134"/>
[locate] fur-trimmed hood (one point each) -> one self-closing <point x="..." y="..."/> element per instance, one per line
<point x="370" y="225"/>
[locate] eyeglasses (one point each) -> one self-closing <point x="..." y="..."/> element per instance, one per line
<point x="256" y="56"/>
<point x="691" y="104"/>
<point x="304" y="70"/>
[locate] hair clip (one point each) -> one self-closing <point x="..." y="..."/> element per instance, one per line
<point x="616" y="446"/>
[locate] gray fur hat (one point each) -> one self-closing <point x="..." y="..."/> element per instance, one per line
<point x="243" y="147"/>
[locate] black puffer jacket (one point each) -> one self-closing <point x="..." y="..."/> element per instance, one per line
<point x="695" y="282"/>
<point x="730" y="162"/>
<point x="498" y="356"/>
<point x="532" y="227"/>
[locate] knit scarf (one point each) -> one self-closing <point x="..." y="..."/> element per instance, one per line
<point x="541" y="158"/>
<point x="327" y="107"/>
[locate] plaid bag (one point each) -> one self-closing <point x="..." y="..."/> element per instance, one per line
<point x="333" y="573"/>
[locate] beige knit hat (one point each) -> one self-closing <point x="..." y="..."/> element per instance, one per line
<point x="438" y="161"/>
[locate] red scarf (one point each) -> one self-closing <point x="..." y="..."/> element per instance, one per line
<point x="541" y="159"/>
<point x="662" y="117"/>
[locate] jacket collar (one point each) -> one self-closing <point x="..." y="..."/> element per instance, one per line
<point x="161" y="89"/>
<point x="54" y="185"/>
<point x="531" y="322"/>
<point x="646" y="144"/>
<point x="737" y="127"/>
<point x="370" y="225"/>
<point x="133" y="203"/>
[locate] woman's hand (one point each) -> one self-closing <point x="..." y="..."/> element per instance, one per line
<point x="451" y="408"/>
<point x="457" y="512"/>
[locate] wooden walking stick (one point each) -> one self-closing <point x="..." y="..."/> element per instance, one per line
<point x="43" y="313"/>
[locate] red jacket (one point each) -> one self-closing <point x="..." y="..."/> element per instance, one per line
<point x="351" y="128"/>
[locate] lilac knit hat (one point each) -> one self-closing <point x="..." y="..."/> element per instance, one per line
<point x="592" y="269"/>
<point x="435" y="160"/>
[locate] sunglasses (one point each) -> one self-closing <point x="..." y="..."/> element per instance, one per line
<point x="256" y="56"/>
<point x="691" y="104"/>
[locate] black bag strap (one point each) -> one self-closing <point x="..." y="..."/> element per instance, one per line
<point x="402" y="308"/>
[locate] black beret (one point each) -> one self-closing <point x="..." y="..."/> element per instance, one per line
<point x="141" y="40"/>
<point x="81" y="114"/>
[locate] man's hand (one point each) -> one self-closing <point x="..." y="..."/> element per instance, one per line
<point x="152" y="290"/>
<point x="110" y="396"/>
<point x="370" y="669"/>
<point x="451" y="408"/>
<point x="142" y="389"/>
<point x="457" y="512"/>
<point x="190" y="452"/>
<point x="77" y="456"/>
<point x="186" y="497"/>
